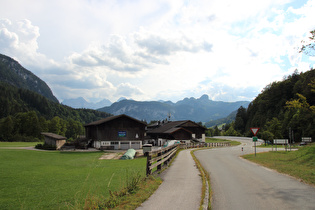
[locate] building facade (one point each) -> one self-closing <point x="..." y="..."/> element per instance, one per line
<point x="116" y="132"/>
<point x="54" y="140"/>
<point x="184" y="131"/>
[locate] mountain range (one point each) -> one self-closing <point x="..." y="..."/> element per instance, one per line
<point x="199" y="110"/>
<point x="82" y="103"/>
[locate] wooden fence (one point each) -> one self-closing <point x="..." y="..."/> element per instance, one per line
<point x="200" y="145"/>
<point x="159" y="157"/>
<point x="162" y="157"/>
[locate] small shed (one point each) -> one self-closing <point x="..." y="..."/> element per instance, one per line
<point x="54" y="139"/>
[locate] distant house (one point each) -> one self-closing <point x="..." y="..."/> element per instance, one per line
<point x="54" y="140"/>
<point x="184" y="131"/>
<point x="116" y="132"/>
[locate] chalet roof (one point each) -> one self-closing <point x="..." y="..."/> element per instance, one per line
<point x="171" y="127"/>
<point x="54" y="136"/>
<point x="107" y="119"/>
<point x="172" y="130"/>
<point x="165" y="127"/>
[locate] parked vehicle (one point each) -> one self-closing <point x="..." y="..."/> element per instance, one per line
<point x="303" y="143"/>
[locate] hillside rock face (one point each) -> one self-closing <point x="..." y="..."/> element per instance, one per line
<point x="13" y="73"/>
<point x="199" y="110"/>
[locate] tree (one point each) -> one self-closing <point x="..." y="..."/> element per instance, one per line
<point x="308" y="47"/>
<point x="216" y="131"/>
<point x="74" y="128"/>
<point x="267" y="136"/>
<point x="32" y="124"/>
<point x="300" y="104"/>
<point x="274" y="126"/>
<point x="210" y="132"/>
<point x="6" y="128"/>
<point x="55" y="125"/>
<point x="231" y="132"/>
<point x="240" y="120"/>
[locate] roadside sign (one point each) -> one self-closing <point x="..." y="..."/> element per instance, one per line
<point x="254" y="130"/>
<point x="280" y="141"/>
<point x="306" y="139"/>
<point x="255" y="138"/>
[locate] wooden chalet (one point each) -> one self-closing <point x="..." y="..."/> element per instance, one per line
<point x="116" y="132"/>
<point x="176" y="130"/>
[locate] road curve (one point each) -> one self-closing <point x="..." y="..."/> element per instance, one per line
<point x="239" y="184"/>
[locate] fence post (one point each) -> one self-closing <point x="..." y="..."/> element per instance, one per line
<point x="159" y="167"/>
<point x="148" y="163"/>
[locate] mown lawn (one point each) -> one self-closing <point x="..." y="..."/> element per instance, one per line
<point x="18" y="144"/>
<point x="299" y="164"/>
<point x="55" y="180"/>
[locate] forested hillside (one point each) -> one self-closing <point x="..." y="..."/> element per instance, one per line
<point x="11" y="72"/>
<point x="24" y="114"/>
<point x="284" y="106"/>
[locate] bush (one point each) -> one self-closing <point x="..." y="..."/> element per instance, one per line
<point x="267" y="136"/>
<point x="39" y="146"/>
<point x="45" y="147"/>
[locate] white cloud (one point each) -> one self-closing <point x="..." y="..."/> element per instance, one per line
<point x="128" y="90"/>
<point x="150" y="50"/>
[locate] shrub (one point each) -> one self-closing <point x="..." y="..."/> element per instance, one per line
<point x="267" y="136"/>
<point x="45" y="147"/>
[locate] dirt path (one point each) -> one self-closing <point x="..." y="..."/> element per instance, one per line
<point x="109" y="156"/>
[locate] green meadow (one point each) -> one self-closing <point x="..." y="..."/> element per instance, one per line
<point x="18" y="144"/>
<point x="60" y="180"/>
<point x="299" y="164"/>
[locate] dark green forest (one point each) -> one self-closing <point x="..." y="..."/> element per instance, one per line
<point x="24" y="114"/>
<point x="284" y="109"/>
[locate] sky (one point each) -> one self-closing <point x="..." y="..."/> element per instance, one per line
<point x="157" y="50"/>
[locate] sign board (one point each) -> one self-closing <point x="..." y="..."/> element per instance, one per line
<point x="280" y="141"/>
<point x="306" y="139"/>
<point x="122" y="133"/>
<point x="254" y="130"/>
<point x="255" y="138"/>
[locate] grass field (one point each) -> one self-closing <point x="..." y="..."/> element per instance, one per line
<point x="55" y="180"/>
<point x="215" y="140"/>
<point x="299" y="164"/>
<point x="18" y="144"/>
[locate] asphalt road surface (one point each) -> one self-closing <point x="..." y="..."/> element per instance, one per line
<point x="181" y="187"/>
<point x="239" y="184"/>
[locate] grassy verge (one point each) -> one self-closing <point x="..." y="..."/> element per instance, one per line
<point x="54" y="180"/>
<point x="18" y="144"/>
<point x="206" y="188"/>
<point x="299" y="164"/>
<point x="129" y="197"/>
<point x="146" y="188"/>
<point x="278" y="146"/>
<point x="215" y="140"/>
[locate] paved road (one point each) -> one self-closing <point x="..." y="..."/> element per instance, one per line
<point x="239" y="184"/>
<point x="181" y="187"/>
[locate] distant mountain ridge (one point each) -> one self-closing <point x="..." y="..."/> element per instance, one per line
<point x="13" y="73"/>
<point x="82" y="103"/>
<point x="199" y="110"/>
